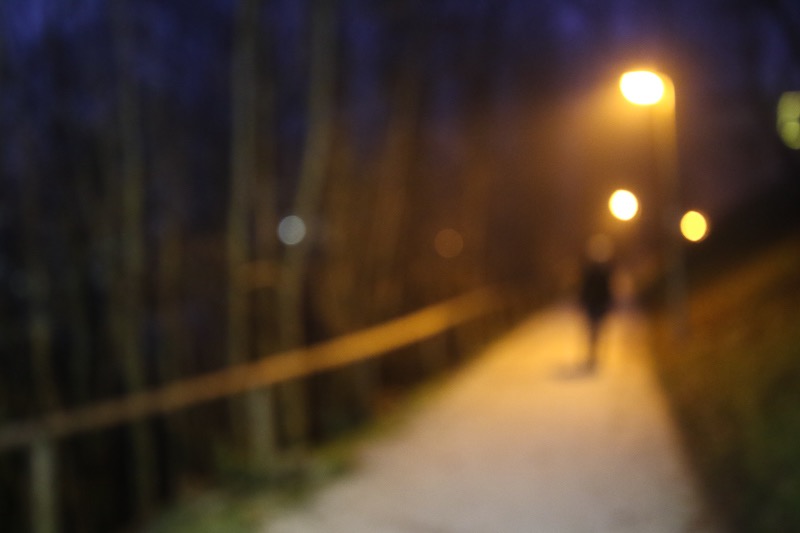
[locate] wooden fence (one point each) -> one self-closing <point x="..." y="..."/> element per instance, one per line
<point x="40" y="435"/>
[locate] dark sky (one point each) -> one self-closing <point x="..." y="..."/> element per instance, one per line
<point x="527" y="65"/>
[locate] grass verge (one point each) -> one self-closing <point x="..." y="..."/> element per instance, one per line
<point x="245" y="503"/>
<point x="734" y="384"/>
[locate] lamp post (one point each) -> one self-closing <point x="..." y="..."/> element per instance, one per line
<point x="656" y="90"/>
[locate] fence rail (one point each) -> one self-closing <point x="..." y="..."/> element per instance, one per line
<point x="40" y="435"/>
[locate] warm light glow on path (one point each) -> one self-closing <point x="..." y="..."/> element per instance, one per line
<point x="515" y="442"/>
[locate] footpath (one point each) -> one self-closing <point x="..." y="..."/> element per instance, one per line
<point x="519" y="442"/>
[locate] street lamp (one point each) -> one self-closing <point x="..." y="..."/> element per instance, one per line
<point x="654" y="89"/>
<point x="642" y="87"/>
<point x="694" y="226"/>
<point x="623" y="205"/>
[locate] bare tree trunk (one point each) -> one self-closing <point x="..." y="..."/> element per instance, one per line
<point x="263" y="437"/>
<point x="482" y="161"/>
<point x="173" y="342"/>
<point x="307" y="202"/>
<point x="391" y="197"/>
<point x="130" y="283"/>
<point x="77" y="305"/>
<point x="170" y="189"/>
<point x="74" y="221"/>
<point x="344" y="396"/>
<point x="38" y="284"/>
<point x="336" y="294"/>
<point x="381" y="274"/>
<point x="44" y="483"/>
<point x="252" y="415"/>
<point x="478" y="176"/>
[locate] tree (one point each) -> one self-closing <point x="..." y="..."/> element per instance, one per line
<point x="127" y="299"/>
<point x="38" y="282"/>
<point x="252" y="416"/>
<point x="307" y="201"/>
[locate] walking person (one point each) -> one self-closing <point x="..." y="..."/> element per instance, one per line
<point x="595" y="293"/>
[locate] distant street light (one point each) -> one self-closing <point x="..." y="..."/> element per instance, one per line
<point x="448" y="243"/>
<point x="646" y="88"/>
<point x="694" y="226"/>
<point x="789" y="119"/>
<point x="623" y="204"/>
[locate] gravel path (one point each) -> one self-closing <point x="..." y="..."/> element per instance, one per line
<point x="518" y="442"/>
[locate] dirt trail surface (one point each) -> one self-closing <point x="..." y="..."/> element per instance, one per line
<point x="519" y="442"/>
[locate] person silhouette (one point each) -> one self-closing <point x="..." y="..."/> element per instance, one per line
<point x="595" y="292"/>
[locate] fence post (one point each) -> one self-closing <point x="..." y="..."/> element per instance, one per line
<point x="262" y="434"/>
<point x="43" y="502"/>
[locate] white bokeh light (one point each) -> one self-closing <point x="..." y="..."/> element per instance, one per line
<point x="291" y="230"/>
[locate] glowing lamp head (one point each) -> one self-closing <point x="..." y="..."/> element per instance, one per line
<point x="694" y="226"/>
<point x="623" y="205"/>
<point x="642" y="87"/>
<point x="789" y="119"/>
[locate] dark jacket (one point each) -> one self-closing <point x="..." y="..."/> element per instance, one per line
<point x="595" y="294"/>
